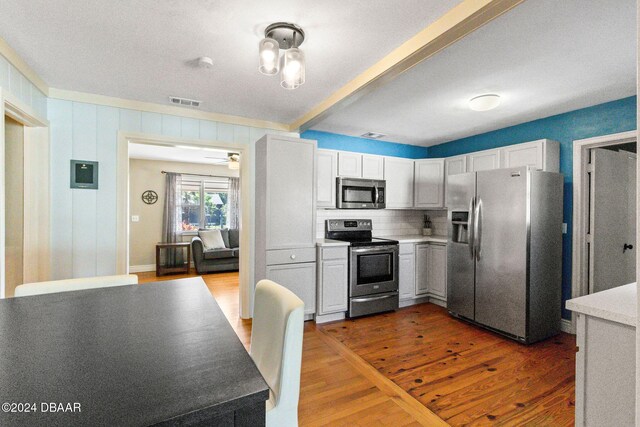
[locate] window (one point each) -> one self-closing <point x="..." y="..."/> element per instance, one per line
<point x="212" y="213"/>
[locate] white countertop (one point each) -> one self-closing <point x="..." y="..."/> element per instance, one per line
<point x="416" y="238"/>
<point x="329" y="242"/>
<point x="617" y="304"/>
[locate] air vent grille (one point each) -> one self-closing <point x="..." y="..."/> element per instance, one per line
<point x="184" y="101"/>
<point x="373" y="135"/>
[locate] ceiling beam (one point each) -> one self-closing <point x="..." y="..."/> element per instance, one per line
<point x="460" y="21"/>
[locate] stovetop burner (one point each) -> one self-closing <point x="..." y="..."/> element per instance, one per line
<point x="355" y="231"/>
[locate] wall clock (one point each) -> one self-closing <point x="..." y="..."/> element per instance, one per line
<point x="150" y="197"/>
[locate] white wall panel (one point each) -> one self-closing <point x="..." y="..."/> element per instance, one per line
<point x="108" y="122"/>
<point x="130" y="120"/>
<point x="190" y="128"/>
<point x="84" y="235"/>
<point x="61" y="119"/>
<point x="225" y="132"/>
<point x="240" y="134"/>
<point x="208" y="130"/>
<point x="4" y="73"/>
<point x="151" y="123"/>
<point x="171" y="125"/>
<point x="15" y="85"/>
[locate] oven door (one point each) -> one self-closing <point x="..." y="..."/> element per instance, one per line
<point x="373" y="270"/>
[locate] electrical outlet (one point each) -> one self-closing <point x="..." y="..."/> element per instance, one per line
<point x="135" y="218"/>
<point x="564" y="228"/>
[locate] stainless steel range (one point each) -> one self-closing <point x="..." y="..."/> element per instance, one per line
<point x="373" y="266"/>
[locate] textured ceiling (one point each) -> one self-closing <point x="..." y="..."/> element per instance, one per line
<point x="544" y="57"/>
<point x="141" y="49"/>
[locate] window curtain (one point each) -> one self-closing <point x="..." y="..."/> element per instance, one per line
<point x="171" y="220"/>
<point x="234" y="203"/>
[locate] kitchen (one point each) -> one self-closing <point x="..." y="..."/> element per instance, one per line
<point x="432" y="219"/>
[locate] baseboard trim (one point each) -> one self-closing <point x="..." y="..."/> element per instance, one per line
<point x="142" y="268"/>
<point x="332" y="317"/>
<point x="566" y="326"/>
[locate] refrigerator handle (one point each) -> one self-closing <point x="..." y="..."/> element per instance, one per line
<point x="471" y="235"/>
<point x="477" y="229"/>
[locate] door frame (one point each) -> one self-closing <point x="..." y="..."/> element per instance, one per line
<point x="580" y="254"/>
<point x="247" y="203"/>
<point x="36" y="244"/>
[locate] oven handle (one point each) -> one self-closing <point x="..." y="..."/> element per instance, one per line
<point x="375" y="298"/>
<point x="373" y="249"/>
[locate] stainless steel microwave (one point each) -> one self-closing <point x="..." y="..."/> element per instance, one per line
<point x="354" y="193"/>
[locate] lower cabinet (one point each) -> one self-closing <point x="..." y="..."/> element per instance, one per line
<point x="333" y="276"/>
<point x="298" y="278"/>
<point x="422" y="271"/>
<point x="437" y="270"/>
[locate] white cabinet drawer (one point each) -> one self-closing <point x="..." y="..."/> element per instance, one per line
<point x="290" y="256"/>
<point x="406" y="248"/>
<point x="334" y="253"/>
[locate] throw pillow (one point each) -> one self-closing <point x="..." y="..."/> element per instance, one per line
<point x="211" y="239"/>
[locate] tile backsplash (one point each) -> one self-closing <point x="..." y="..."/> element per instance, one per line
<point x="387" y="222"/>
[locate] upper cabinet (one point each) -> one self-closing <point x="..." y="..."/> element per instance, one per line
<point x="398" y="173"/>
<point x="483" y="160"/>
<point x="372" y="167"/>
<point x="455" y="165"/>
<point x="429" y="183"/>
<point x="543" y="154"/>
<point x="349" y="164"/>
<point x="327" y="167"/>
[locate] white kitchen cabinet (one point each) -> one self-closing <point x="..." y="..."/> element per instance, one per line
<point x="422" y="269"/>
<point x="398" y="174"/>
<point x="406" y="271"/>
<point x="327" y="167"/>
<point x="429" y="183"/>
<point x="455" y="165"/>
<point x="483" y="160"/>
<point x="333" y="275"/>
<point x="349" y="164"/>
<point x="299" y="278"/>
<point x="543" y="154"/>
<point x="437" y="270"/>
<point x="372" y="167"/>
<point x="285" y="213"/>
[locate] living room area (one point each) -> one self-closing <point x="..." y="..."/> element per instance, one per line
<point x="184" y="210"/>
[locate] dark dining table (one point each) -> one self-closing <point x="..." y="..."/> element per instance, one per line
<point x="161" y="353"/>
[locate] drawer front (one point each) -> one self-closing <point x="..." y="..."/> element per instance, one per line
<point x="334" y="253"/>
<point x="290" y="256"/>
<point x="406" y="248"/>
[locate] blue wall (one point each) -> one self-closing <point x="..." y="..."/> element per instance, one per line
<point x="334" y="141"/>
<point x="603" y="119"/>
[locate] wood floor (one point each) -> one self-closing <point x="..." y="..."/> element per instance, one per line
<point x="400" y="368"/>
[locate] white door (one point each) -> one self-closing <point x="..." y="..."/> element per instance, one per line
<point x="299" y="279"/>
<point x="483" y="160"/>
<point x="349" y="164"/>
<point x="335" y="289"/>
<point x="327" y="167"/>
<point x="372" y="167"/>
<point x="429" y="183"/>
<point x="613" y="218"/>
<point x="422" y="269"/>
<point x="453" y="166"/>
<point x="530" y="154"/>
<point x="406" y="276"/>
<point x="398" y="174"/>
<point x="437" y="271"/>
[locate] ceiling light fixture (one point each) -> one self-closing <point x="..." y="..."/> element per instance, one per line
<point x="288" y="37"/>
<point x="484" y="102"/>
<point x="234" y="161"/>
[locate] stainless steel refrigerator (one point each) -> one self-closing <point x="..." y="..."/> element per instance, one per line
<point x="504" y="263"/>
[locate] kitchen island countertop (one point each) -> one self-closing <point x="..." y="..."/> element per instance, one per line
<point x="617" y="304"/>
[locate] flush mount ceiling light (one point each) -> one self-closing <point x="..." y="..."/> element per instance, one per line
<point x="484" y="102"/>
<point x="373" y="135"/>
<point x="234" y="160"/>
<point x="287" y="37"/>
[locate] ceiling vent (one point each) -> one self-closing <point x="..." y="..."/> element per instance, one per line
<point x="184" y="101"/>
<point x="373" y="135"/>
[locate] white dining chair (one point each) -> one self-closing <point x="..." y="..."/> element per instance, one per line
<point x="276" y="348"/>
<point x="67" y="285"/>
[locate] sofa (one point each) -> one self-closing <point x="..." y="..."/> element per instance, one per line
<point x="207" y="260"/>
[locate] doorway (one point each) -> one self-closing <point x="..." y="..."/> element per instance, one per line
<point x="14" y="204"/>
<point x="612" y="216"/>
<point x="612" y="211"/>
